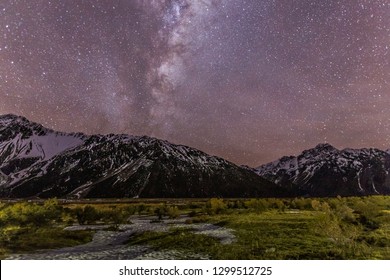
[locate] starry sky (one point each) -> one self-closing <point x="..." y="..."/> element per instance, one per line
<point x="247" y="80"/>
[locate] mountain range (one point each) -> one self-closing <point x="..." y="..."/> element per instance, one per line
<point x="39" y="162"/>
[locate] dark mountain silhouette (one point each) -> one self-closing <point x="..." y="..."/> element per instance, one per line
<point x="39" y="162"/>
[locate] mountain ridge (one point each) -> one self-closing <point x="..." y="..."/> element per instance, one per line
<point x="327" y="171"/>
<point x="39" y="162"/>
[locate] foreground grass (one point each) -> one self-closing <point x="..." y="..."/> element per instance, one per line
<point x="333" y="228"/>
<point x="353" y="228"/>
<point x="275" y="235"/>
<point x="269" y="235"/>
<point x="30" y="239"/>
<point x="178" y="239"/>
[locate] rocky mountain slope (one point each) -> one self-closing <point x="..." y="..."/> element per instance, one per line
<point x="327" y="171"/>
<point x="39" y="162"/>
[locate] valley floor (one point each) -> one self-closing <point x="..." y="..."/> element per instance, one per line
<point x="331" y="228"/>
<point x="111" y="244"/>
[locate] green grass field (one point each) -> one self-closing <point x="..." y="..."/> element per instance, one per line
<point x="326" y="228"/>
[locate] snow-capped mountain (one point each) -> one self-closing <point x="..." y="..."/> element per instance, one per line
<point x="26" y="146"/>
<point x="39" y="162"/>
<point x="327" y="171"/>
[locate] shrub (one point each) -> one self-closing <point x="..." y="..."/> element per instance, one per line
<point x="369" y="214"/>
<point x="86" y="215"/>
<point x="345" y="213"/>
<point x="315" y="204"/>
<point x="276" y="204"/>
<point x="130" y="210"/>
<point x="215" y="206"/>
<point x="160" y="211"/>
<point x="172" y="212"/>
<point x="301" y="203"/>
<point x="236" y="204"/>
<point x="141" y="208"/>
<point x="258" y="205"/>
<point x="116" y="217"/>
<point x="53" y="209"/>
<point x="28" y="214"/>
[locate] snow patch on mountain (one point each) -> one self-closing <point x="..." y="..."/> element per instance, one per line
<point x="42" y="146"/>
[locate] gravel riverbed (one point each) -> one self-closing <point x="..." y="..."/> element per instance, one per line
<point x="112" y="245"/>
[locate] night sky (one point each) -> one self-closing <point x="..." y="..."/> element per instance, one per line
<point x="247" y="80"/>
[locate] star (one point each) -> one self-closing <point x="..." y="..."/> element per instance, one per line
<point x="248" y="80"/>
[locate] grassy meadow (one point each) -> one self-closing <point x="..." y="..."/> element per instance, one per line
<point x="300" y="228"/>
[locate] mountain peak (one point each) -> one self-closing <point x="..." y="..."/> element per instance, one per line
<point x="321" y="149"/>
<point x="9" y="118"/>
<point x="324" y="146"/>
<point x="12" y="125"/>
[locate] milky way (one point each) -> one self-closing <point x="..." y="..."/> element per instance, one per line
<point x="247" y="80"/>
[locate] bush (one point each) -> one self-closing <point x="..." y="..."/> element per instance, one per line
<point x="316" y="205"/>
<point x="29" y="214"/>
<point x="86" y="215"/>
<point x="160" y="211"/>
<point x="236" y="204"/>
<point x="215" y="206"/>
<point x="345" y="213"/>
<point x="173" y="212"/>
<point x="301" y="204"/>
<point x="276" y="204"/>
<point x="368" y="214"/>
<point x="163" y="210"/>
<point x="53" y="209"/>
<point x="141" y="208"/>
<point x="130" y="210"/>
<point x="257" y="205"/>
<point x="116" y="217"/>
